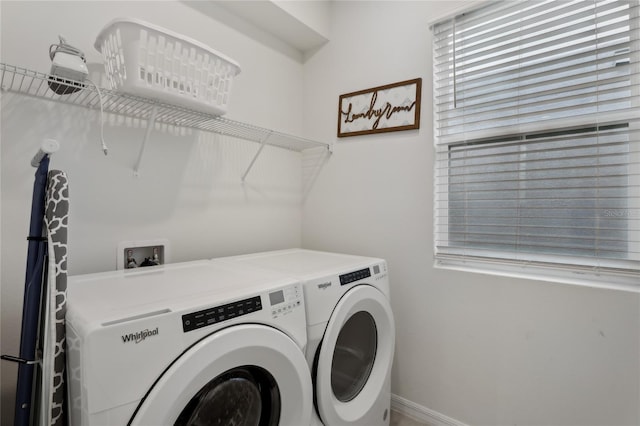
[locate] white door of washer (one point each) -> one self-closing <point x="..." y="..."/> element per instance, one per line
<point x="355" y="359"/>
<point x="245" y="374"/>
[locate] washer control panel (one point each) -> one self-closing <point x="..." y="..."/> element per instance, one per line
<point x="354" y="276"/>
<point x="195" y="320"/>
<point x="285" y="300"/>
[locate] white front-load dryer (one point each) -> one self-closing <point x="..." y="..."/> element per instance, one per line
<point x="196" y="343"/>
<point x="350" y="328"/>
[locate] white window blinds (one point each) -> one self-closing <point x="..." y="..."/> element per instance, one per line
<point x="537" y="129"/>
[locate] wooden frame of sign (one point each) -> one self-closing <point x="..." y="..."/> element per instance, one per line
<point x="390" y="108"/>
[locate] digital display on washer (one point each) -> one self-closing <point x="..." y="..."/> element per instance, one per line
<point x="217" y="314"/>
<point x="354" y="276"/>
<point x="276" y="297"/>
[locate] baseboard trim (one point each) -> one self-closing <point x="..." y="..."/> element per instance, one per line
<point x="421" y="413"/>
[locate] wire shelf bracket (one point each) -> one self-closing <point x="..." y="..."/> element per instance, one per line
<point x="147" y="133"/>
<point x="32" y="83"/>
<point x="255" y="157"/>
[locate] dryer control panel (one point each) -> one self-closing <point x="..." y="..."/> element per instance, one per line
<point x="220" y="313"/>
<point x="354" y="276"/>
<point x="285" y="300"/>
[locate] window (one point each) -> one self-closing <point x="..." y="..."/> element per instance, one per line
<point x="537" y="133"/>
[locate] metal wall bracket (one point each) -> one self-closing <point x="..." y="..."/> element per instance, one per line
<point x="255" y="157"/>
<point x="147" y="133"/>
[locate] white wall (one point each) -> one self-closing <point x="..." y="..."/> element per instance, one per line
<point x="190" y="190"/>
<point x="480" y="349"/>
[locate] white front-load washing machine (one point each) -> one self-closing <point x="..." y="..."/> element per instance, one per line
<point x="196" y="343"/>
<point x="350" y="328"/>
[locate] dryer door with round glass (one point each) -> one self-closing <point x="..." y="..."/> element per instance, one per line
<point x="247" y="374"/>
<point x="354" y="360"/>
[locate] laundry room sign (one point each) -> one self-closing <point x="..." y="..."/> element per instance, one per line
<point x="389" y="108"/>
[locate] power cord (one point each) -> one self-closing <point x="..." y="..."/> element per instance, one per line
<point x="104" y="145"/>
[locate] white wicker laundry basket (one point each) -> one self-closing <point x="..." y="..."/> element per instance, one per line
<point x="149" y="61"/>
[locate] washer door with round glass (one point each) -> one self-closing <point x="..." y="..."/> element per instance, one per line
<point x="247" y="375"/>
<point x="354" y="361"/>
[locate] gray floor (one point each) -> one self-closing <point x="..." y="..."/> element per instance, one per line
<point x="398" y="419"/>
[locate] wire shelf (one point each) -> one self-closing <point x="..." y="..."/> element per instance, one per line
<point x="33" y="83"/>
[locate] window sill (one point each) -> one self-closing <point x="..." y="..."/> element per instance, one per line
<point x="629" y="282"/>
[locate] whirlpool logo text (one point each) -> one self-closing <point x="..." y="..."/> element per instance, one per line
<point x="139" y="336"/>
